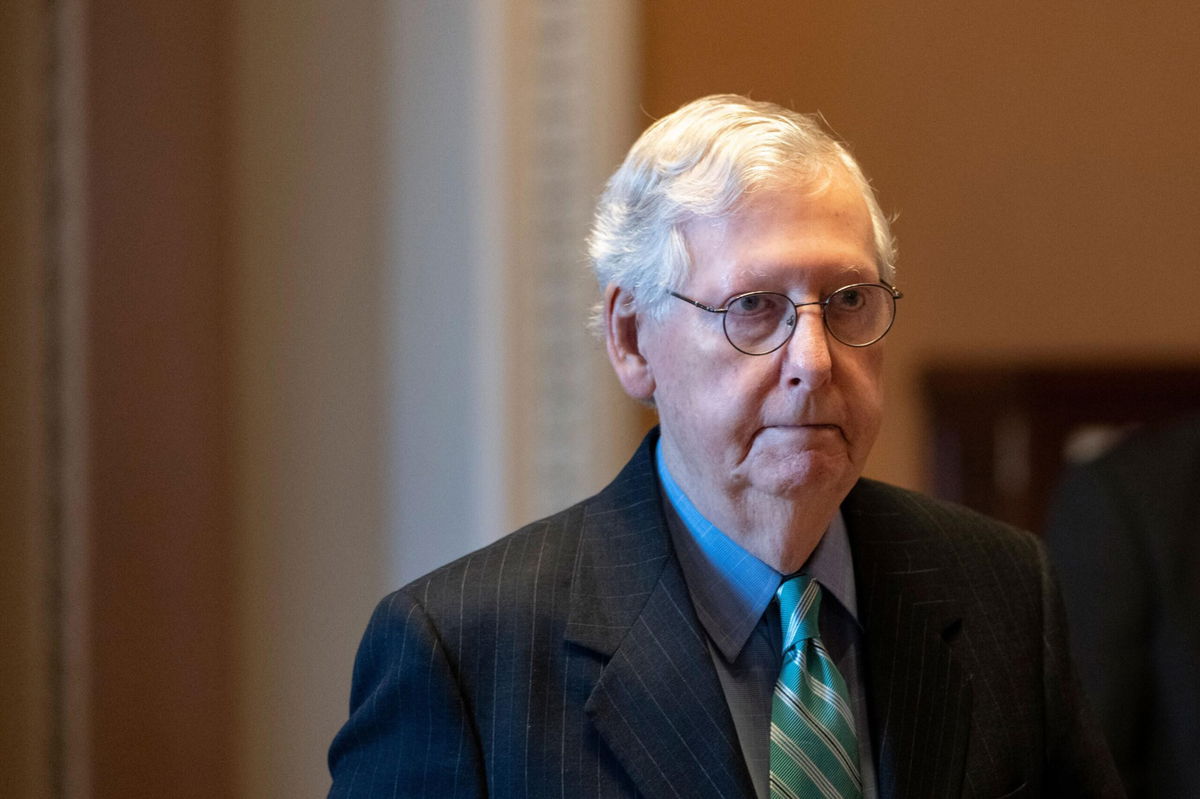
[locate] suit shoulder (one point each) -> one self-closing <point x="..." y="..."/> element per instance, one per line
<point x="1152" y="467"/>
<point x="537" y="563"/>
<point x="886" y="512"/>
<point x="507" y="573"/>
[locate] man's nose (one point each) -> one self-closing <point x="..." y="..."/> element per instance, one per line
<point x="807" y="354"/>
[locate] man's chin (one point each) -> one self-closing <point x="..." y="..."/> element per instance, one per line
<point x="808" y="475"/>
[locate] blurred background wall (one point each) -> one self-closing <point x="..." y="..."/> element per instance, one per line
<point x="292" y="304"/>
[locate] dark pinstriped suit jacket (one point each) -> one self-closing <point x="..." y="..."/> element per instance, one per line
<point x="565" y="660"/>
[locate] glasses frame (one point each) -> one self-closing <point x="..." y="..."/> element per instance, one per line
<point x="824" y="303"/>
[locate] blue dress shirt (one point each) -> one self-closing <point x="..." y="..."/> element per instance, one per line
<point x="732" y="592"/>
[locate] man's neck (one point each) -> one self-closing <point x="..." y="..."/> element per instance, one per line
<point x="781" y="533"/>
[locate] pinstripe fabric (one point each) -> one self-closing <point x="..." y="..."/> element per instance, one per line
<point x="566" y="661"/>
<point x="971" y="689"/>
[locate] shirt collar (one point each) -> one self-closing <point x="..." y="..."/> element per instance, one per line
<point x="729" y="587"/>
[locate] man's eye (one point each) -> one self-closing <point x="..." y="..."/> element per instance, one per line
<point x="849" y="300"/>
<point x="748" y="305"/>
<point x="759" y="305"/>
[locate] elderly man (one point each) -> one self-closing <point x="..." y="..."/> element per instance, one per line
<point x="739" y="614"/>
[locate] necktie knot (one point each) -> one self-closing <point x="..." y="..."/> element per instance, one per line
<point x="799" y="609"/>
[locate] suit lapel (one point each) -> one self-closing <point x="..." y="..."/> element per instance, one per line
<point x="918" y="693"/>
<point x="658" y="704"/>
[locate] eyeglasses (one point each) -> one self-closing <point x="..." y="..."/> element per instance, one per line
<point x="760" y="322"/>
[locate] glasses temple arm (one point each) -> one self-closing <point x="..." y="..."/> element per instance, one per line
<point x="699" y="305"/>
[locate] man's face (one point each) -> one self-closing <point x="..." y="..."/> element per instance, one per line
<point x="797" y="423"/>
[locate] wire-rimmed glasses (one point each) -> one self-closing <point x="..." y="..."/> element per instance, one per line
<point x="760" y="322"/>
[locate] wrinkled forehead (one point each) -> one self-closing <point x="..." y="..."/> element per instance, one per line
<point x="787" y="222"/>
<point x="807" y="177"/>
<point x="807" y="181"/>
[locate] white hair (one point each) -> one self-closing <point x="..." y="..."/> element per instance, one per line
<point x="699" y="162"/>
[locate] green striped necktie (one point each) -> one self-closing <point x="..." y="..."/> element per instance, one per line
<point x="814" y="750"/>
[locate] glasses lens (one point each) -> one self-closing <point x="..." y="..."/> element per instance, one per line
<point x="860" y="315"/>
<point x="759" y="322"/>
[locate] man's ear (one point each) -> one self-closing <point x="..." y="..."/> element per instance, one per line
<point x="622" y="337"/>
